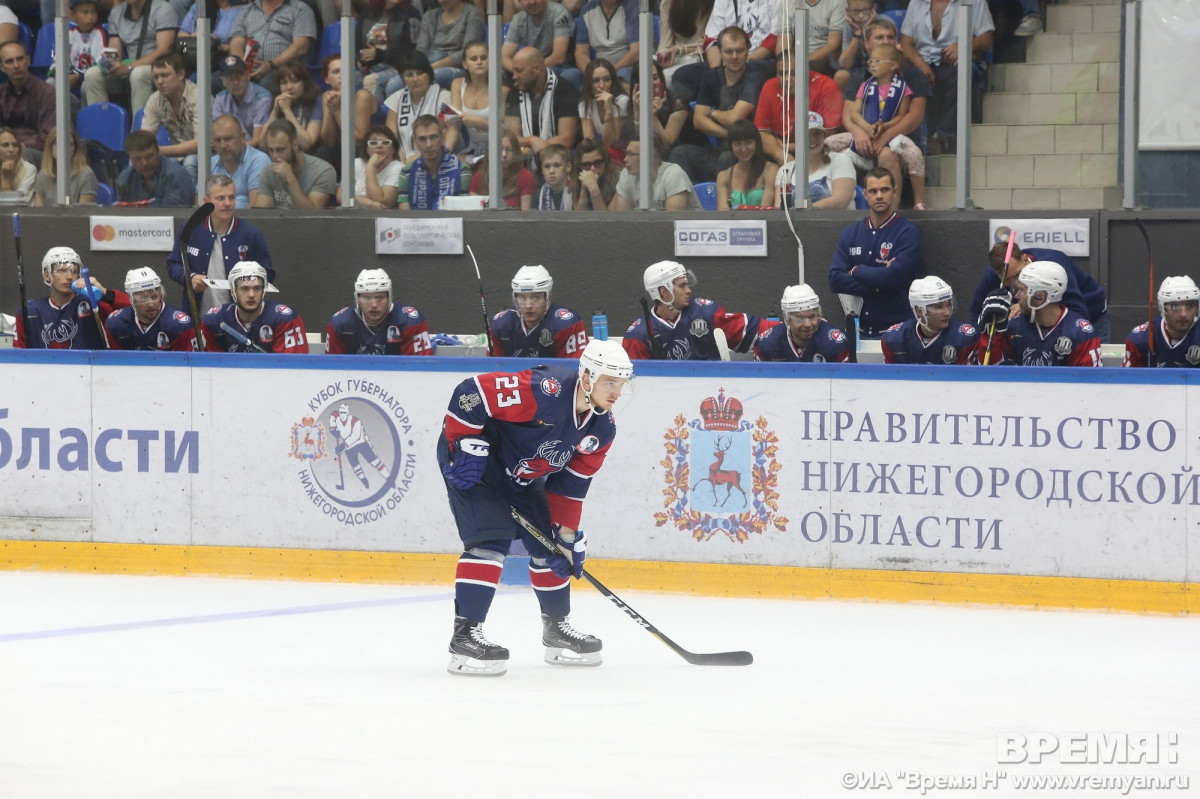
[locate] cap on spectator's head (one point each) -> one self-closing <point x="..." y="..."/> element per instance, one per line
<point x="74" y="3"/>
<point x="232" y="64"/>
<point x="815" y="121"/>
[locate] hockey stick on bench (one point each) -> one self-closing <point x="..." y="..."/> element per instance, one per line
<point x="695" y="658"/>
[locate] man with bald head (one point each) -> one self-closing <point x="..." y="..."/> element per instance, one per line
<point x="235" y="158"/>
<point x="544" y="108"/>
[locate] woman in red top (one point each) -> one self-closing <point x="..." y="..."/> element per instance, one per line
<point x="519" y="183"/>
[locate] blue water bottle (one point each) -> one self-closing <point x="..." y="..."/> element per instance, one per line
<point x="600" y="326"/>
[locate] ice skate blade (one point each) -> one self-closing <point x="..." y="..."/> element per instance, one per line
<point x="463" y="666"/>
<point x="567" y="657"/>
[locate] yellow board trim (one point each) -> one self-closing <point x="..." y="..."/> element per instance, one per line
<point x="700" y="579"/>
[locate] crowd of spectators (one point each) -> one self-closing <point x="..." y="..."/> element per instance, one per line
<point x="570" y="77"/>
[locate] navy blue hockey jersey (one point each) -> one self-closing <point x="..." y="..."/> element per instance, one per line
<point x="560" y="334"/>
<point x="70" y="327"/>
<point x="827" y="344"/>
<point x="955" y="345"/>
<point x="403" y="331"/>
<point x="1185" y="353"/>
<point x="172" y="330"/>
<point x="1071" y="341"/>
<point x="277" y="329"/>
<point x="690" y="337"/>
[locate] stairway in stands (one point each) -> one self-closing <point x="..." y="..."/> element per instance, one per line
<point x="1048" y="139"/>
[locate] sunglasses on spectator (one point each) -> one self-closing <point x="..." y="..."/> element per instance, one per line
<point x="378" y="142"/>
<point x="593" y="164"/>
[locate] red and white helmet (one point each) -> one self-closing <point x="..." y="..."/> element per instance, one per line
<point x="58" y="255"/>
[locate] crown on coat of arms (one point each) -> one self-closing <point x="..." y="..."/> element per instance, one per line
<point x="718" y="413"/>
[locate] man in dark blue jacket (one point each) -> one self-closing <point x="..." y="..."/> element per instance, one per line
<point x="1084" y="295"/>
<point x="876" y="259"/>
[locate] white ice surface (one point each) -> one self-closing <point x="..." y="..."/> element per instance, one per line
<point x="192" y="687"/>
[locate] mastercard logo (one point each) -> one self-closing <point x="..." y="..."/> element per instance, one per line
<point x="104" y="233"/>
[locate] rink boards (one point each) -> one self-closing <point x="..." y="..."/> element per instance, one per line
<point x="1063" y="487"/>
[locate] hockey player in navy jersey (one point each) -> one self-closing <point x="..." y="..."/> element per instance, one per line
<point x="1050" y="335"/>
<point x="149" y="324"/>
<point x="1176" y="338"/>
<point x="268" y="326"/>
<point x="933" y="336"/>
<point x="374" y="325"/>
<point x="683" y="325"/>
<point x="63" y="321"/>
<point x="803" y="335"/>
<point x="534" y="327"/>
<point x="529" y="440"/>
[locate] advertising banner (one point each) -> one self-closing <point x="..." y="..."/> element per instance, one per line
<point x="133" y="233"/>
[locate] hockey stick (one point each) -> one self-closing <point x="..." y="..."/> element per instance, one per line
<point x="189" y="227"/>
<point x="851" y="304"/>
<point x="695" y="658"/>
<point x="21" y="281"/>
<point x="487" y="328"/>
<point x="987" y="353"/>
<point x="655" y="345"/>
<point x="1150" y="254"/>
<point x="240" y="337"/>
<point x="91" y="294"/>
<point x="337" y="450"/>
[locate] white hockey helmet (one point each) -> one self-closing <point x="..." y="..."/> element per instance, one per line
<point x="531" y="280"/>
<point x="247" y="270"/>
<point x="372" y="281"/>
<point x="1043" y="276"/>
<point x="662" y="275"/>
<point x="141" y="279"/>
<point x="605" y="358"/>
<point x="1180" y="288"/>
<point x="926" y="291"/>
<point x="58" y="255"/>
<point x="799" y="298"/>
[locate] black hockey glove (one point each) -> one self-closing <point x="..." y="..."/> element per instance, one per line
<point x="995" y="311"/>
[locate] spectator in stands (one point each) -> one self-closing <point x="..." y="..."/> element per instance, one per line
<point x="519" y="182"/>
<point x="298" y="102"/>
<point x="385" y="36"/>
<point x="173" y="106"/>
<point x="1083" y="294"/>
<point x="859" y="14"/>
<point x="727" y="93"/>
<point x="608" y="29"/>
<point x="366" y="109"/>
<point x="421" y="96"/>
<point x="773" y="116"/>
<point x="1031" y="19"/>
<point x="293" y="180"/>
<point x="82" y="184"/>
<point x="445" y="33"/>
<point x="16" y="174"/>
<point x="377" y="177"/>
<point x="248" y="102"/>
<point x="239" y="161"/>
<point x="760" y="21"/>
<point x="222" y="16"/>
<point x="751" y="180"/>
<point x="880" y="108"/>
<point x="877" y="258"/>
<point x="217" y="245"/>
<point x="604" y="105"/>
<point x="672" y="191"/>
<point x="672" y="116"/>
<point x="681" y="34"/>
<point x="436" y="173"/>
<point x="555" y="193"/>
<point x="547" y="27"/>
<point x="936" y="55"/>
<point x="270" y="32"/>
<point x="87" y="40"/>
<point x="143" y="31"/>
<point x="469" y="94"/>
<point x="26" y="102"/>
<point x="151" y="179"/>
<point x="596" y="178"/>
<point x="826" y="18"/>
<point x="831" y="176"/>
<point x="544" y="109"/>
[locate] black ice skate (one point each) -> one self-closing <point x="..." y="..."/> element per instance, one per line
<point x="566" y="646"/>
<point x="472" y="654"/>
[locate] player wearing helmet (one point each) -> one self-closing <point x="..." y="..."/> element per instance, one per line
<point x="683" y="325"/>
<point x="374" y="325"/>
<point x="534" y="327"/>
<point x="804" y="336"/>
<point x="1045" y="332"/>
<point x="529" y="440"/>
<point x="62" y="321"/>
<point x="269" y="326"/>
<point x="932" y="336"/>
<point x="1176" y="339"/>
<point x="150" y="324"/>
